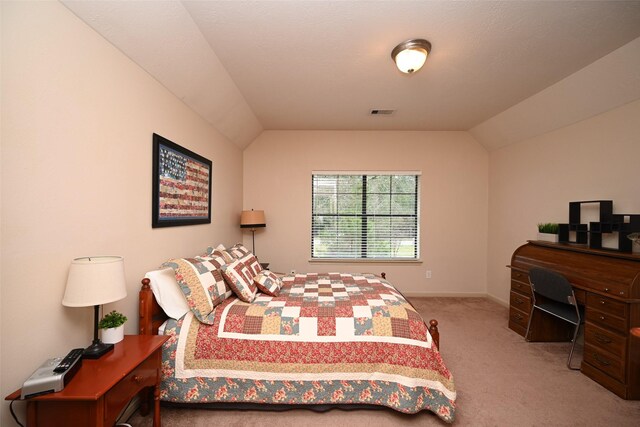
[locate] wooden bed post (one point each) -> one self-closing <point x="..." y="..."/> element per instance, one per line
<point x="435" y="334"/>
<point x="144" y="324"/>
<point x="150" y="314"/>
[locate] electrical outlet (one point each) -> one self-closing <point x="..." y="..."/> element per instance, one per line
<point x="428" y="274"/>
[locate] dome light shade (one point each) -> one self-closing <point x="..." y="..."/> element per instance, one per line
<point x="411" y="55"/>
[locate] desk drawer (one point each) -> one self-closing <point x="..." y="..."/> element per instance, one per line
<point x="518" y="317"/>
<point x="522" y="287"/>
<point x="607" y="305"/>
<point x="605" y="340"/>
<point x="616" y="289"/>
<point x="520" y="301"/>
<point x="144" y="375"/>
<point x="607" y="320"/>
<point x="519" y="276"/>
<point x="604" y="361"/>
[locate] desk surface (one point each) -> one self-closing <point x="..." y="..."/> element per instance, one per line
<point x="604" y="272"/>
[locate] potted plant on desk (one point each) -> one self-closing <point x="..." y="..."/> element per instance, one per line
<point x="112" y="326"/>
<point x="548" y="232"/>
<point x="635" y="238"/>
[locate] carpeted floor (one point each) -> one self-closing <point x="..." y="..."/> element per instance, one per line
<point x="501" y="380"/>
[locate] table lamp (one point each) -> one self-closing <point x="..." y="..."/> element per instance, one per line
<point x="252" y="219"/>
<point x="94" y="281"/>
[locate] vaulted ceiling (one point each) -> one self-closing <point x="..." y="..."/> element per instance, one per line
<point x="247" y="66"/>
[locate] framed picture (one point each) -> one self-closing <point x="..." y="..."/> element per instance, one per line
<point x="181" y="185"/>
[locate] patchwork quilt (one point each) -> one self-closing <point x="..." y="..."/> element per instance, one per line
<point x="325" y="339"/>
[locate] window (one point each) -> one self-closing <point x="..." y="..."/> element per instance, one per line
<point x="365" y="216"/>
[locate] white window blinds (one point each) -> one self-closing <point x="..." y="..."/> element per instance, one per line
<point x="365" y="215"/>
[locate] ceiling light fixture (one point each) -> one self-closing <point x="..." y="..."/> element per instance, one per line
<point x="410" y="55"/>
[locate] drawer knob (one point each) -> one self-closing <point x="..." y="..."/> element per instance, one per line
<point x="519" y="301"/>
<point x="602" y="339"/>
<point x="601" y="317"/>
<point x="518" y="316"/>
<point x="602" y="302"/>
<point x="606" y="289"/>
<point x="137" y="379"/>
<point x="600" y="360"/>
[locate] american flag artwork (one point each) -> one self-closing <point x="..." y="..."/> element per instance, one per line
<point x="183" y="186"/>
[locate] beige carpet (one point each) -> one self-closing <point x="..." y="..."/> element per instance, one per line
<point x="501" y="380"/>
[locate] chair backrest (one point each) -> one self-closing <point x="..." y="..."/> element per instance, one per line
<point x="551" y="285"/>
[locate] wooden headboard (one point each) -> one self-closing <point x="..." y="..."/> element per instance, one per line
<point x="151" y="315"/>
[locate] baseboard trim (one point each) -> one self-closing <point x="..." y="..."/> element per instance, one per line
<point x="498" y="301"/>
<point x="446" y="294"/>
<point x="456" y="295"/>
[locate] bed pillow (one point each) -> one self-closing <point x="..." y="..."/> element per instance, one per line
<point x="201" y="283"/>
<point x="240" y="279"/>
<point x="238" y="251"/>
<point x="224" y="254"/>
<point x="268" y="283"/>
<point x="220" y="251"/>
<point x="167" y="292"/>
<point x="210" y="249"/>
<point x="251" y="262"/>
<point x="217" y="261"/>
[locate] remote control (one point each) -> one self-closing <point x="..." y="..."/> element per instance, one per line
<point x="69" y="360"/>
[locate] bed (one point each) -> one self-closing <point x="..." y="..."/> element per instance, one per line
<point x="321" y="339"/>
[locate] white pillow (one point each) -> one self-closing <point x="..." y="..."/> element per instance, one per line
<point x="167" y="292"/>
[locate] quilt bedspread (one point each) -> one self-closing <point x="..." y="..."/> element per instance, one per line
<point x="325" y="339"/>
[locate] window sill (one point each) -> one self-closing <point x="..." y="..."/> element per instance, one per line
<point x="363" y="260"/>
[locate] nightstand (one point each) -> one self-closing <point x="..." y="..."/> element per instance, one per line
<point x="103" y="387"/>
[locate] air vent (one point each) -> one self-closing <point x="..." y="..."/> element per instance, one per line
<point x="381" y="112"/>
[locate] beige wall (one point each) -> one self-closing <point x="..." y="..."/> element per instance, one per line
<point x="77" y="124"/>
<point x="454" y="197"/>
<point x="534" y="181"/>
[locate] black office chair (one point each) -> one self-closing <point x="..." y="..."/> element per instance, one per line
<point x="557" y="299"/>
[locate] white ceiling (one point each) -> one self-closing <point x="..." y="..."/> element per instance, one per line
<point x="246" y="66"/>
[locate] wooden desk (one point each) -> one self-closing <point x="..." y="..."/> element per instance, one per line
<point x="607" y="283"/>
<point x="102" y="388"/>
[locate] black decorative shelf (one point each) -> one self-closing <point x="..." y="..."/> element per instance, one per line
<point x="607" y="223"/>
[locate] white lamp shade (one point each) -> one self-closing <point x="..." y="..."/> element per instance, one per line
<point x="411" y="60"/>
<point x="95" y="281"/>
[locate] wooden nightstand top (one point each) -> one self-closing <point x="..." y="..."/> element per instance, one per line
<point x="98" y="376"/>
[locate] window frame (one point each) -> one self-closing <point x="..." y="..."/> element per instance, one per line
<point x="364" y="255"/>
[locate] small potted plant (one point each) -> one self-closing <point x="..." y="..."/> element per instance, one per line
<point x="548" y="232"/>
<point x="112" y="326"/>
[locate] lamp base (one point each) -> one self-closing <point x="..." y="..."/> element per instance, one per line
<point x="96" y="350"/>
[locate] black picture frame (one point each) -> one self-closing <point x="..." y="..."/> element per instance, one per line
<point x="181" y="183"/>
